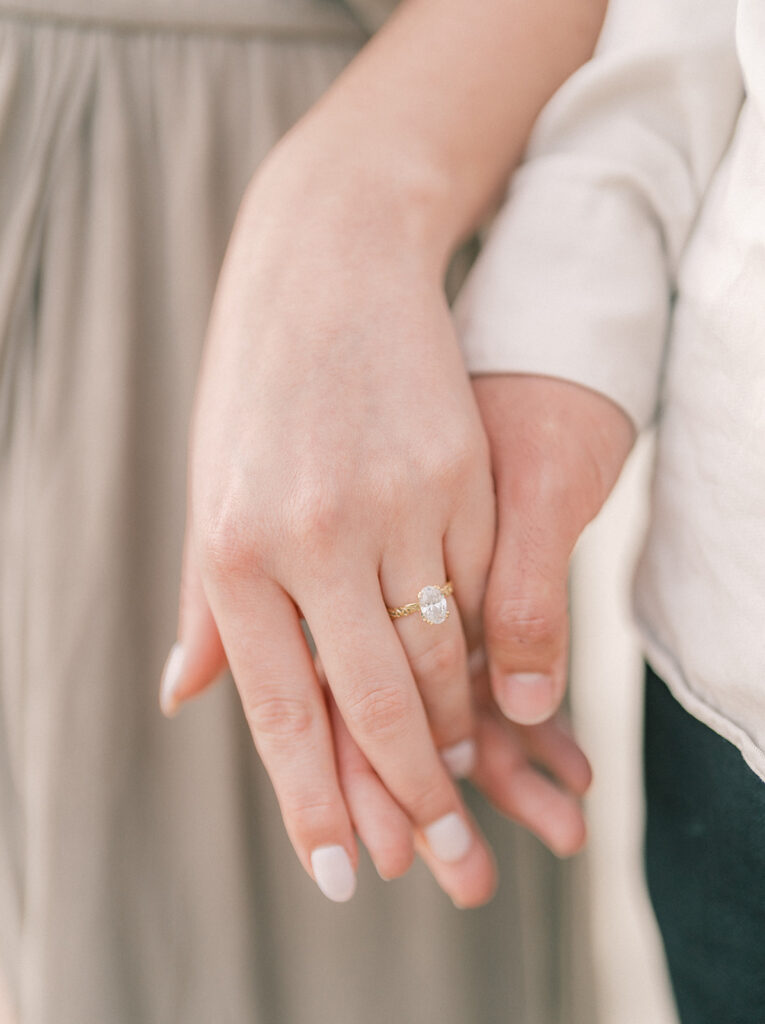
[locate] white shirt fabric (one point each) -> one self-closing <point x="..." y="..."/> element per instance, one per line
<point x="630" y="257"/>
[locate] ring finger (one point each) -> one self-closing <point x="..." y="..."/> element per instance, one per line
<point x="434" y="643"/>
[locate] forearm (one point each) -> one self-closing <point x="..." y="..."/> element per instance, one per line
<point x="435" y="111"/>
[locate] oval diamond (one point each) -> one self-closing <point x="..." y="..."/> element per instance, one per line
<point x="433" y="607"/>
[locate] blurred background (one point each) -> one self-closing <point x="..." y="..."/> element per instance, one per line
<point x="630" y="975"/>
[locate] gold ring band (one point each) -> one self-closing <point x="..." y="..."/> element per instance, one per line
<point x="430" y="603"/>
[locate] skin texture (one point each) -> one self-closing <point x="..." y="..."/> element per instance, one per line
<point x="338" y="463"/>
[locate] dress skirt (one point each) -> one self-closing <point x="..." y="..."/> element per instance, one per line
<point x="145" y="875"/>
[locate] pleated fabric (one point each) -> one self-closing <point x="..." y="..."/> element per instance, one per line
<point x="145" y="876"/>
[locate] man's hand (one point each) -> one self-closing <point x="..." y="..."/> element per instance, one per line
<point x="557" y="449"/>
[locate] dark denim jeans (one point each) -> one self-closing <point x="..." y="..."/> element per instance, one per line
<point x="705" y="863"/>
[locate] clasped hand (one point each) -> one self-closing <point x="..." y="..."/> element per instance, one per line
<point x="340" y="460"/>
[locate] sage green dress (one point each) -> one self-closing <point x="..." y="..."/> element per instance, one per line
<point x="145" y="876"/>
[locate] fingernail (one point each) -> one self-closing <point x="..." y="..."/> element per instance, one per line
<point x="449" y="838"/>
<point x="527" y="697"/>
<point x="460" y="758"/>
<point x="333" y="872"/>
<point x="171" y="677"/>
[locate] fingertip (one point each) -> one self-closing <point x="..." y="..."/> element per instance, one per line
<point x="552" y="745"/>
<point x="171" y="680"/>
<point x="476" y="884"/>
<point x="565" y="834"/>
<point x="334" y="872"/>
<point x="477" y="895"/>
<point x="475" y="902"/>
<point x="581" y="842"/>
<point x="393" y="859"/>
<point x="469" y="883"/>
<point x="583" y="779"/>
<point x="572" y="842"/>
<point x="188" y="672"/>
<point x="571" y="764"/>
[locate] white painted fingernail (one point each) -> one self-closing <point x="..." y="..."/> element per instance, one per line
<point x="333" y="872"/>
<point x="171" y="678"/>
<point x="460" y="758"/>
<point x="449" y="838"/>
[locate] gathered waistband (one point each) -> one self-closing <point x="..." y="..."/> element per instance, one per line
<point x="315" y="18"/>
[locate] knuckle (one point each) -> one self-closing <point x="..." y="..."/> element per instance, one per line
<point x="380" y="711"/>
<point x="310" y="811"/>
<point x="313" y="514"/>
<point x="455" y="461"/>
<point x="279" y="716"/>
<point x="521" y="622"/>
<point x="227" y="543"/>
<point x="389" y="480"/>
<point x="442" y="659"/>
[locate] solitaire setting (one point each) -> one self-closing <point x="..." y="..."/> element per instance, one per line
<point x="433" y="607"/>
<point x="430" y="603"/>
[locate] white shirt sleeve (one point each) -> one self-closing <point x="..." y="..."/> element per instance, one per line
<point x="576" y="277"/>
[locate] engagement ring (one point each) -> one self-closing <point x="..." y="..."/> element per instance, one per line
<point x="430" y="603"/>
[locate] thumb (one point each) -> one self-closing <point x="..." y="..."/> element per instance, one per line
<point x="557" y="449"/>
<point x="197" y="658"/>
<point x="526" y="610"/>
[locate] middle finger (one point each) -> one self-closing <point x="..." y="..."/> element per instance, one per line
<point x="372" y="683"/>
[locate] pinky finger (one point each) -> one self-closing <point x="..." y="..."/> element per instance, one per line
<point x="196" y="659"/>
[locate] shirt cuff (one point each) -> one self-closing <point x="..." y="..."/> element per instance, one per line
<point x="572" y="282"/>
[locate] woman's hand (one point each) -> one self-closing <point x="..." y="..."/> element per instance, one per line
<point x="338" y="465"/>
<point x="534" y="775"/>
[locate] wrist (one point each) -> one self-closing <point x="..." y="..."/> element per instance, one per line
<point x="354" y="178"/>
